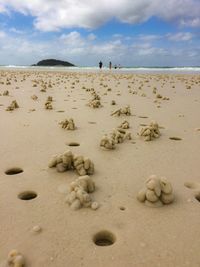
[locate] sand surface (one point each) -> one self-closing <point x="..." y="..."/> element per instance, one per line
<point x="31" y="134"/>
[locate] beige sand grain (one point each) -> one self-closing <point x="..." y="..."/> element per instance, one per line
<point x="122" y="231"/>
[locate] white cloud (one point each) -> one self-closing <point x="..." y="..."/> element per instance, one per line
<point x="75" y="48"/>
<point x="190" y="22"/>
<point x="147" y="49"/>
<point x="180" y="36"/>
<point x="52" y="15"/>
<point x="148" y="37"/>
<point x="14" y="30"/>
<point x="2" y="34"/>
<point x="91" y="37"/>
<point x="72" y="39"/>
<point x="117" y="35"/>
<point x="2" y="8"/>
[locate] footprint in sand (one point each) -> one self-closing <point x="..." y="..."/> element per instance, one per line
<point x="192" y="185"/>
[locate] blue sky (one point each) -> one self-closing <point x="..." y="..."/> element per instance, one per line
<point x="126" y="32"/>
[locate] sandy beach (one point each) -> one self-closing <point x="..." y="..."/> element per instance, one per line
<point x="120" y="231"/>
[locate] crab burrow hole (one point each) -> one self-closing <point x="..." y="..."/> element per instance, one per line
<point x="13" y="171"/>
<point x="27" y="195"/>
<point x="73" y="144"/>
<point x="197" y="196"/>
<point x="104" y="238"/>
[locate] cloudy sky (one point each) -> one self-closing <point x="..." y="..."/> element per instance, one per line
<point x="126" y="32"/>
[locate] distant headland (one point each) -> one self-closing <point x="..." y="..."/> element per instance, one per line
<point x="54" y="62"/>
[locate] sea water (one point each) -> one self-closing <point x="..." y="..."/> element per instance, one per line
<point x="185" y="70"/>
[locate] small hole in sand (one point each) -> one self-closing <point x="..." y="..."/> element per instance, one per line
<point x="175" y="138"/>
<point x="27" y="195"/>
<point x="13" y="171"/>
<point x="122" y="208"/>
<point x="197" y="196"/>
<point x="142" y="117"/>
<point x="73" y="144"/>
<point x="104" y="238"/>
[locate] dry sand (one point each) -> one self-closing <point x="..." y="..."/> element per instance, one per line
<point x="44" y="228"/>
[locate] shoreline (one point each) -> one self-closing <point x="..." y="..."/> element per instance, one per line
<point x="135" y="70"/>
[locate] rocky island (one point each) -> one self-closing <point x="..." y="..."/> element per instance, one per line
<point x="54" y="62"/>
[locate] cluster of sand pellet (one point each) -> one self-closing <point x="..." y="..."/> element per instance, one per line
<point x="34" y="97"/>
<point x="6" y="93"/>
<point x="79" y="193"/>
<point x="68" y="161"/>
<point x="48" y="103"/>
<point x="134" y="92"/>
<point x="15" y="259"/>
<point x="113" y="102"/>
<point x="49" y="98"/>
<point x="68" y="124"/>
<point x="158" y="191"/>
<point x="158" y="96"/>
<point x="44" y="87"/>
<point x="107" y="142"/>
<point x="150" y="132"/>
<point x="124" y="125"/>
<point x="95" y="101"/>
<point x="12" y="106"/>
<point x="122" y="111"/>
<point x="117" y="136"/>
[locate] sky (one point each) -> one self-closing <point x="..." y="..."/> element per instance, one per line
<point x="83" y="32"/>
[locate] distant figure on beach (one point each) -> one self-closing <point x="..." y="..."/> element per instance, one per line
<point x="110" y="65"/>
<point x="117" y="66"/>
<point x="100" y="65"/>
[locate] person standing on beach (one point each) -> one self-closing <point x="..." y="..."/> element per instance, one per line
<point x="110" y="65"/>
<point x="100" y="65"/>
